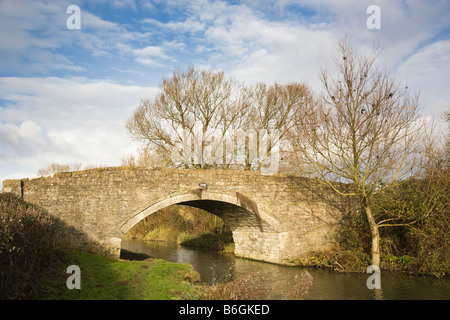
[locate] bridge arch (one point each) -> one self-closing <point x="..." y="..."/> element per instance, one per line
<point x="254" y="232"/>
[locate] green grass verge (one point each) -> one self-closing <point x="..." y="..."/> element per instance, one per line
<point x="104" y="278"/>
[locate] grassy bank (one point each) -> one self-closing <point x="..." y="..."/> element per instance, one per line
<point x="104" y="278"/>
<point x="139" y="277"/>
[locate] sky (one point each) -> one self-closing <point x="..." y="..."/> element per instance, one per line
<point x="66" y="93"/>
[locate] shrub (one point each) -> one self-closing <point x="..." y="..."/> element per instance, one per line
<point x="248" y="287"/>
<point x="424" y="235"/>
<point x="26" y="246"/>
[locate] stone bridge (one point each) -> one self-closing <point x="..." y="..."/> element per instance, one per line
<point x="273" y="218"/>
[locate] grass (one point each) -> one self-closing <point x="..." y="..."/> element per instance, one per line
<point x="104" y="278"/>
<point x="142" y="278"/>
<point x="145" y="278"/>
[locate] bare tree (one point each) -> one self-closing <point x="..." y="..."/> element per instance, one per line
<point x="276" y="108"/>
<point x="144" y="157"/>
<point x="55" y="167"/>
<point x="446" y="117"/>
<point x="364" y="132"/>
<point x="202" y="119"/>
<point x="196" y="104"/>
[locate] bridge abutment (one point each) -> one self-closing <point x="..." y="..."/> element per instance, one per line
<point x="260" y="246"/>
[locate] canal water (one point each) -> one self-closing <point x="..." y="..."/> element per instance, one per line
<point x="279" y="282"/>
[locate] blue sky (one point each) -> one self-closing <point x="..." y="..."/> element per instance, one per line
<point x="65" y="95"/>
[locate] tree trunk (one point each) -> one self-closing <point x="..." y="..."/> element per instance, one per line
<point x="375" y="236"/>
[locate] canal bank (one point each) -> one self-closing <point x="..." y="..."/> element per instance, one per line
<point x="282" y="282"/>
<point x="104" y="278"/>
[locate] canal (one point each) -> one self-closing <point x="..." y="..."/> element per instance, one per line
<point x="278" y="281"/>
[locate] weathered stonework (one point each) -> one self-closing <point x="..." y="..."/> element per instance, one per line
<point x="274" y="218"/>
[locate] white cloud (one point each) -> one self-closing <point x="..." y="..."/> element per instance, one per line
<point x="90" y="21"/>
<point x="252" y="48"/>
<point x="32" y="132"/>
<point x="150" y="51"/>
<point x="124" y="4"/>
<point x="36" y="40"/>
<point x="190" y="25"/>
<point x="150" y="56"/>
<point x="21" y="48"/>
<point x="156" y="56"/>
<point x="428" y="71"/>
<point x="46" y="120"/>
<point x="21" y="139"/>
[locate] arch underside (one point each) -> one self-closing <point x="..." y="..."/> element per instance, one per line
<point x="254" y="237"/>
<point x="237" y="211"/>
<point x="233" y="215"/>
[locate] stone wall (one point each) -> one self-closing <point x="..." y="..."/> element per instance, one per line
<point x="273" y="218"/>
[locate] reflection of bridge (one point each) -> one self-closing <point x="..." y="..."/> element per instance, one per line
<point x="273" y="218"/>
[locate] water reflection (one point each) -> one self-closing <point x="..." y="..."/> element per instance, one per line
<point x="278" y="281"/>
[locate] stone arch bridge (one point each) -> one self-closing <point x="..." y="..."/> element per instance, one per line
<point x="273" y="218"/>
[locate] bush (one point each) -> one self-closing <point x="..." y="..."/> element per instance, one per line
<point x="26" y="246"/>
<point x="248" y="287"/>
<point x="424" y="237"/>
